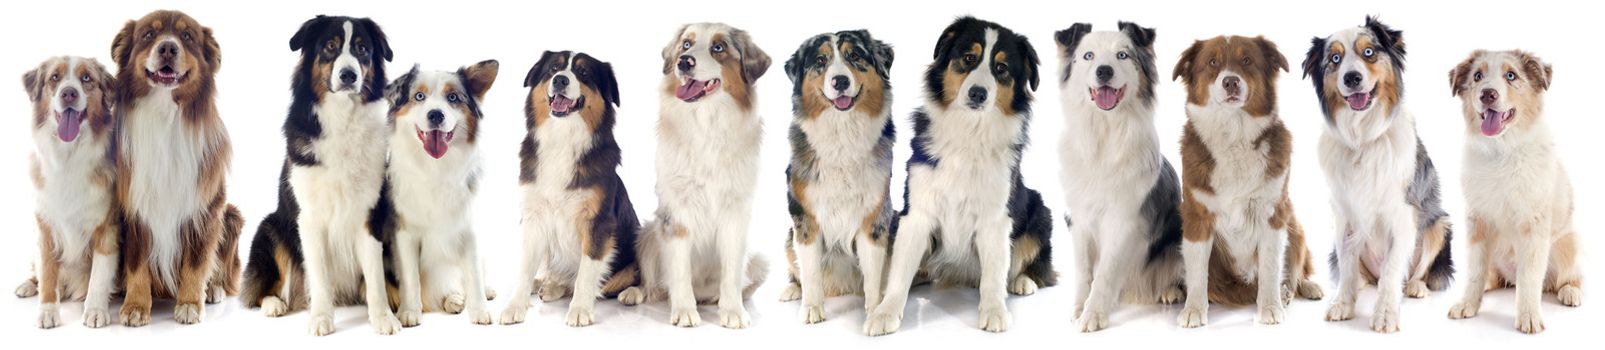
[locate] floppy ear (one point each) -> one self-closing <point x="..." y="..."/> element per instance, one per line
<point x="1142" y="37"/>
<point x="950" y="36"/>
<point x="605" y="82"/>
<point x="754" y="62"/>
<point x="1389" y="38"/>
<point x="794" y="65"/>
<point x="214" y="54"/>
<point x="1031" y="62"/>
<point x="1536" y="69"/>
<point x="882" y="52"/>
<point x="1184" y="64"/>
<point x="30" y="82"/>
<point x="381" y="43"/>
<point x="1068" y="38"/>
<point x="1458" y="75"/>
<point x="672" y="48"/>
<point x="1313" y="58"/>
<point x="106" y="83"/>
<point x="123" y="44"/>
<point x="397" y="90"/>
<point x="1273" y="56"/>
<point x="299" y="40"/>
<point x="536" y="74"/>
<point x="480" y="77"/>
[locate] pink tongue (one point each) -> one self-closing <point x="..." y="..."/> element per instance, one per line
<point x="843" y="102"/>
<point x="1358" y="101"/>
<point x="690" y="90"/>
<point x="1492" y="122"/>
<point x="67" y="126"/>
<point x="435" y="143"/>
<point x="1106" y="97"/>
<point x="561" y="104"/>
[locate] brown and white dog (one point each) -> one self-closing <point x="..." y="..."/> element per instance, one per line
<point x="1240" y="241"/>
<point x="73" y="173"/>
<point x="709" y="133"/>
<point x="180" y="234"/>
<point x="1518" y="196"/>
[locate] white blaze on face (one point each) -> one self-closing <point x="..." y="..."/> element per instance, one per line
<point x="68" y="116"/>
<point x="1219" y="93"/>
<point x="565" y="98"/>
<point x="839" y="67"/>
<point x="1106" y="49"/>
<point x="346" y="63"/>
<point x="1352" y="60"/>
<point x="435" y="116"/>
<point x="981" y="77"/>
<point x="166" y="74"/>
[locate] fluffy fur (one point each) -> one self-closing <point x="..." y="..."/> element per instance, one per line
<point x="707" y="161"/>
<point x="1241" y="242"/>
<point x="579" y="224"/>
<point x="180" y="236"/>
<point x="840" y="173"/>
<point x="965" y="205"/>
<point x="1518" y="196"/>
<point x="1392" y="230"/>
<point x="324" y="245"/>
<point x="1122" y="193"/>
<point x="73" y="173"/>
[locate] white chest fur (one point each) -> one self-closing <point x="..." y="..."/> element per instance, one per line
<point x="1106" y="160"/>
<point x="972" y="181"/>
<point x="350" y="154"/>
<point x="164" y="156"/>
<point x="707" y="159"/>
<point x="551" y="207"/>
<point x="1243" y="196"/>
<point x="854" y="177"/>
<point x="71" y="202"/>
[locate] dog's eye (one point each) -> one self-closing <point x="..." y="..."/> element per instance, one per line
<point x="718" y="47"/>
<point x="55" y="77"/>
<point x="150" y="34"/>
<point x="686" y="45"/>
<point x="1337" y="58"/>
<point x="852" y="56"/>
<point x="1213" y="62"/>
<point x="555" y="69"/>
<point x="1000" y="68"/>
<point x="452" y="97"/>
<point x="418" y="96"/>
<point x="970" y="59"/>
<point x="582" y="73"/>
<point x="1476" y="76"/>
<point x="1087" y="56"/>
<point x="86" y="79"/>
<point x="362" y="50"/>
<point x="1121" y="55"/>
<point x="186" y="36"/>
<point x="1368" y="53"/>
<point x="1511" y="76"/>
<point x="821" y="60"/>
<point x="1247" y="61"/>
<point x="331" y="46"/>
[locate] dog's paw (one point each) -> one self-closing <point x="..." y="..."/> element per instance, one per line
<point x="580" y="316"/>
<point x="215" y="295"/>
<point x="1308" y="290"/>
<point x="552" y="292"/>
<point x="1530" y="322"/>
<point x="812" y="314"/>
<point x="792" y="293"/>
<point x="1193" y="317"/>
<point x="1272" y="314"/>
<point x="1464" y="309"/>
<point x="409" y="318"/>
<point x="1093" y="321"/>
<point x="186" y="313"/>
<point x="685" y="316"/>
<point x="1286" y="294"/>
<point x="734" y="317"/>
<point x="49" y="316"/>
<point x="995" y="320"/>
<point x="1023" y="286"/>
<point x="1417" y="289"/>
<point x="478" y="316"/>
<point x="514" y="314"/>
<point x="134" y="316"/>
<point x="632" y="296"/>
<point x="880" y="323"/>
<point x="320" y="325"/>
<point x="1171" y="295"/>
<point x="28" y="289"/>
<point x="1570" y="295"/>
<point x="490" y="294"/>
<point x="272" y="306"/>
<point x="96" y="317"/>
<point x="1385" y="320"/>
<point x="1340" y="311"/>
<point x="453" y="303"/>
<point x="385" y="325"/>
<point x="1080" y="308"/>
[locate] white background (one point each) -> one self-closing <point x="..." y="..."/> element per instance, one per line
<point x="254" y="95"/>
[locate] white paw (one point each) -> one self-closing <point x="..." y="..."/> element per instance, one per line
<point x="409" y="318"/>
<point x="685" y="317"/>
<point x="1171" y="295"/>
<point x="28" y="289"/>
<point x="1464" y="309"/>
<point x="272" y="306"/>
<point x="479" y="316"/>
<point x="1340" y="311"/>
<point x="188" y="313"/>
<point x="734" y="317"/>
<point x="812" y="314"/>
<point x="1385" y="320"/>
<point x="1023" y="286"/>
<point x="1530" y="322"/>
<point x="1193" y="317"/>
<point x="882" y="323"/>
<point x="385" y="325"/>
<point x="1287" y="294"/>
<point x="514" y="314"/>
<point x="1417" y="289"/>
<point x="214" y="295"/>
<point x="792" y="292"/>
<point x="96" y="317"/>
<point x="552" y="292"/>
<point x="1271" y="314"/>
<point x="453" y="303"/>
<point x="320" y="325"/>
<point x="1093" y="321"/>
<point x="1076" y="315"/>
<point x="49" y="317"/>
<point x="134" y="316"/>
<point x="1309" y="290"/>
<point x="632" y="296"/>
<point x="1570" y="295"/>
<point x="580" y="316"/>
<point x="995" y="320"/>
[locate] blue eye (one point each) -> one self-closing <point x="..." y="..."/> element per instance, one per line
<point x="1121" y="55"/>
<point x="1511" y="76"/>
<point x="418" y="96"/>
<point x="1337" y="58"/>
<point x="1087" y="56"/>
<point x="452" y="97"/>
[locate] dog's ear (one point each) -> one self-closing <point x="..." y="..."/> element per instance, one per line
<point x="213" y="53"/>
<point x="1068" y="38"/>
<point x="1390" y="39"/>
<point x="122" y="45"/>
<point x="606" y="83"/>
<point x="670" y="51"/>
<point x="381" y="43"/>
<point x="1031" y="62"/>
<point x="795" y="65"/>
<point x="1459" y="75"/>
<point x="397" y="90"/>
<point x="105" y="82"/>
<point x="1184" y="64"/>
<point x="1274" y="60"/>
<point x="882" y="53"/>
<point x="754" y="62"/>
<point x="479" y="77"/>
<point x="538" y="72"/>
<point x="1142" y="37"/>
<point x="1315" y="58"/>
<point x="1536" y="70"/>
<point x="30" y="83"/>
<point x="949" y="38"/>
<point x="303" y="35"/>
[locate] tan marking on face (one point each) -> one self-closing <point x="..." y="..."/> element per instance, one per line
<point x="1005" y="91"/>
<point x="730" y="72"/>
<point x="469" y="123"/>
<point x="813" y="98"/>
<point x="871" y="93"/>
<point x="1380" y="68"/>
<point x="595" y="106"/>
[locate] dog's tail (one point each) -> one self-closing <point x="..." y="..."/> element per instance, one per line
<point x="228" y="252"/>
<point x="757" y="272"/>
<point x="1225" y="286"/>
<point x="271" y="260"/>
<point x="1442" y="270"/>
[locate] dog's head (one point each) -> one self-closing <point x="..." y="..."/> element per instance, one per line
<point x="566" y="83"/>
<point x="1232" y="72"/>
<point x="437" y="106"/>
<point x="340" y="56"/>
<point x="845" y="71"/>
<point x="166" y="50"/>
<point x="69" y="93"/>
<point x="705" y="57"/>
<point x="1501" y="90"/>
<point x="982" y="66"/>
<point x="1357" y="69"/>
<point x="1107" y="64"/>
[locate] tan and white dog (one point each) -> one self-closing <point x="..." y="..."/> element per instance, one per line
<point x="1518" y="196"/>
<point x="74" y="174"/>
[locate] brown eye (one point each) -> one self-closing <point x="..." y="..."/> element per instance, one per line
<point x="1476" y="77"/>
<point x="331" y="46"/>
<point x="853" y="56"/>
<point x="821" y="60"/>
<point x="970" y="59"/>
<point x="150" y="34"/>
<point x="1213" y="63"/>
<point x="186" y="36"/>
<point x="555" y="69"/>
<point x="1246" y="61"/>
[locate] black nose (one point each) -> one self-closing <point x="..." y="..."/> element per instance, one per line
<point x="1233" y="85"/>
<point x="1352" y="79"/>
<point x="69" y="96"/>
<point x="1105" y="73"/>
<point x="560" y="82"/>
<point x="686" y="63"/>
<point x="167" y="50"/>
<point x="839" y="82"/>
<point x="347" y="76"/>
<point x="435" y="118"/>
<point x="977" y="95"/>
<point x="1489" y="96"/>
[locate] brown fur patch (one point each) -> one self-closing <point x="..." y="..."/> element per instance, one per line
<point x="871" y="219"/>
<point x="813" y="100"/>
<point x="49" y="264"/>
<point x="539" y="105"/>
<point x="1025" y="250"/>
<point x="592" y="244"/>
<point x="595" y="106"/>
<point x="1005" y="99"/>
<point x="1432" y="240"/>
<point x="809" y="233"/>
<point x="1198" y="224"/>
<point x="730" y="73"/>
<point x="1277" y="143"/>
<point x="871" y="92"/>
<point x="621" y="280"/>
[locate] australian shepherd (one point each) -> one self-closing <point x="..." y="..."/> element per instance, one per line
<point x="1392" y="231"/>
<point x="1518" y="196"/>
<point x="965" y="205"/>
<point x="180" y="235"/>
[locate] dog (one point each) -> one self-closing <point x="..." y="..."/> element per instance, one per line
<point x="840" y="173"/>
<point x="180" y="236"/>
<point x="1121" y="191"/>
<point x="1392" y="229"/>
<point x="965" y="204"/>
<point x="430" y="184"/>
<point x="578" y="219"/>
<point x="709" y="133"/>
<point x="324" y="245"/>
<point x="1518" y="196"/>
<point x="1241" y="242"/>
<point x="73" y="174"/>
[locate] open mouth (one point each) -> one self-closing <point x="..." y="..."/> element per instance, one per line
<point x="692" y="90"/>
<point x="562" y="105"/>
<point x="1360" y="101"/>
<point x="435" y="141"/>
<point x="1106" y="97"/>
<point x="1494" y="121"/>
<point x="166" y="76"/>
<point x="68" y="123"/>
<point x="844" y="102"/>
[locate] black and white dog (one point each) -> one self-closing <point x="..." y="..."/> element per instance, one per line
<point x="334" y="164"/>
<point x="964" y="203"/>
<point x="841" y="169"/>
